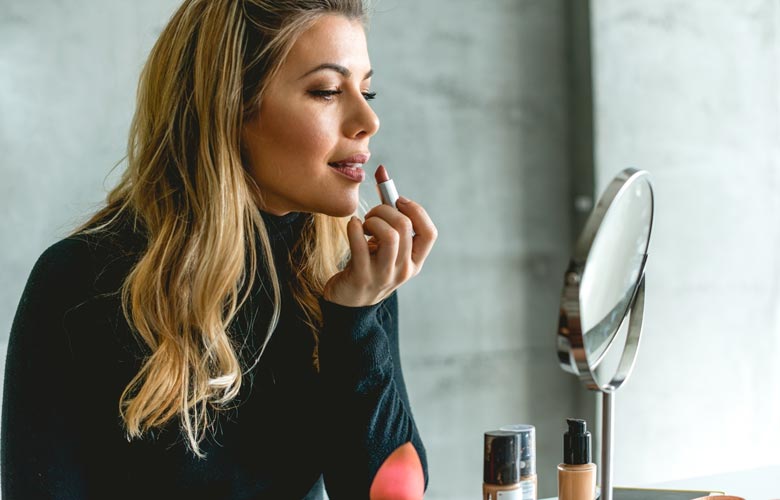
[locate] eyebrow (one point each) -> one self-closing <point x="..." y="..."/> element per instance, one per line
<point x="338" y="69"/>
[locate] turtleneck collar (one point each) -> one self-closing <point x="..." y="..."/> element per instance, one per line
<point x="286" y="227"/>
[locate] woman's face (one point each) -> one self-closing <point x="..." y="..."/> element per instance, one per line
<point x="305" y="144"/>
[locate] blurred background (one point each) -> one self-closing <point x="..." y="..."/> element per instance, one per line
<point x="505" y="119"/>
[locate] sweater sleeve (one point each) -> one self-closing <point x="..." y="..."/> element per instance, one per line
<point x="40" y="436"/>
<point x="370" y="416"/>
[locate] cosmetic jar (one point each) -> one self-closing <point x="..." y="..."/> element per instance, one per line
<point x="510" y="463"/>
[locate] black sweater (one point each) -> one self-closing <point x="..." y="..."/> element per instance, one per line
<point x="71" y="354"/>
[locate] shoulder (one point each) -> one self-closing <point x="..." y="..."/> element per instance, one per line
<point x="57" y="283"/>
<point x="83" y="262"/>
<point x="72" y="290"/>
<point x="69" y="257"/>
<point x="60" y="279"/>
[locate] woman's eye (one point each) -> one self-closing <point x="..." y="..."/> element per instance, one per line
<point x="326" y="95"/>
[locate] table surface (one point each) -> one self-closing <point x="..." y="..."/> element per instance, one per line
<point x="752" y="484"/>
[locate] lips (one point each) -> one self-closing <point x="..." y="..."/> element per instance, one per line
<point x="356" y="173"/>
<point x="354" y="161"/>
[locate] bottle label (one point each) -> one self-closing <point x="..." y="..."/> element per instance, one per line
<point x="526" y="491"/>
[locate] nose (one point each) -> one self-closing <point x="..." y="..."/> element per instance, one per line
<point x="361" y="121"/>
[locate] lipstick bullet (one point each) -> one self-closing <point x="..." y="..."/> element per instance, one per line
<point x="386" y="187"/>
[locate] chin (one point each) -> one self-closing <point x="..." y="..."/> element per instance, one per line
<point x="343" y="208"/>
<point x="342" y="211"/>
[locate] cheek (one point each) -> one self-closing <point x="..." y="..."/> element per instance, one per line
<point x="302" y="134"/>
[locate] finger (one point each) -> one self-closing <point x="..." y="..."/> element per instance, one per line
<point x="386" y="238"/>
<point x="402" y="225"/>
<point x="358" y="246"/>
<point x="373" y="245"/>
<point x="424" y="229"/>
<point x="384" y="211"/>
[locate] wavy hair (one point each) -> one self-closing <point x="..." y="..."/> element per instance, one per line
<point x="187" y="190"/>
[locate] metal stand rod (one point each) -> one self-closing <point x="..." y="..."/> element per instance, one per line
<point x="607" y="413"/>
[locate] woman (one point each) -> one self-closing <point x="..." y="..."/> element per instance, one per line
<point x="220" y="329"/>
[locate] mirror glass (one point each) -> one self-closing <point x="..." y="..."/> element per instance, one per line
<point x="604" y="276"/>
<point x="613" y="267"/>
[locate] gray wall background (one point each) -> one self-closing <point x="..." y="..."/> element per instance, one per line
<point x="690" y="91"/>
<point x="474" y="99"/>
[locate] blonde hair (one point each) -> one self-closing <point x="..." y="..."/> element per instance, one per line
<point x="186" y="188"/>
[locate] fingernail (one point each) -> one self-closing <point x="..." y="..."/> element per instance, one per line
<point x="403" y="199"/>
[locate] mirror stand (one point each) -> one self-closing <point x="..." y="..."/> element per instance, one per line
<point x="607" y="414"/>
<point x="627" y="359"/>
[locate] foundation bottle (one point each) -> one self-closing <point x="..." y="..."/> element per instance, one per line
<point x="509" y="464"/>
<point x="577" y="474"/>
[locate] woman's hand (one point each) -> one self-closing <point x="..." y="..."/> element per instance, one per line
<point x="400" y="242"/>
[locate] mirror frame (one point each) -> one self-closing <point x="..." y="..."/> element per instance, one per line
<point x="572" y="355"/>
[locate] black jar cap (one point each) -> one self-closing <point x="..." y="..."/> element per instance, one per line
<point x="502" y="458"/>
<point x="527" y="435"/>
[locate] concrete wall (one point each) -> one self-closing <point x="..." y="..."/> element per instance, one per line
<point x="690" y="92"/>
<point x="473" y="102"/>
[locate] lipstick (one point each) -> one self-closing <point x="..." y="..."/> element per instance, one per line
<point x="386" y="187"/>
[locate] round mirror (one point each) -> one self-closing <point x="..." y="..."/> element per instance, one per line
<point x="604" y="282"/>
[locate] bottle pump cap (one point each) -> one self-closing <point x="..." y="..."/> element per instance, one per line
<point x="576" y="443"/>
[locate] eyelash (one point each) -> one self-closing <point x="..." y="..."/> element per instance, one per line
<point x="328" y="95"/>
